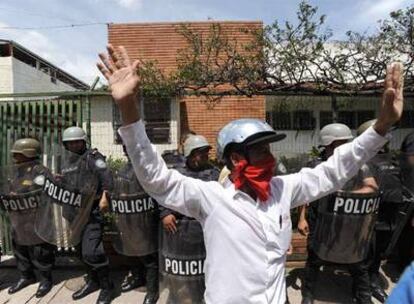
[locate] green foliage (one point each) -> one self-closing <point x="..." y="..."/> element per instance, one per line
<point x="115" y="163"/>
<point x="285" y="56"/>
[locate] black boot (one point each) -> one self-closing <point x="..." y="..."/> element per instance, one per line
<point x="376" y="288"/>
<point x="44" y="288"/>
<point x="307" y="299"/>
<point x="379" y="293"/>
<point x="131" y="283"/>
<point x="313" y="264"/>
<point x="107" y="290"/>
<point x="151" y="298"/>
<point x="21" y="283"/>
<point x="362" y="301"/>
<point x="152" y="281"/>
<point x="89" y="287"/>
<point x="361" y="297"/>
<point x="45" y="284"/>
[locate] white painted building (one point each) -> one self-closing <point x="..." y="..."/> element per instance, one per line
<point x="302" y="116"/>
<point x="22" y="71"/>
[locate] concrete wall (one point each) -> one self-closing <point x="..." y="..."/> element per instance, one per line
<point x="28" y="79"/>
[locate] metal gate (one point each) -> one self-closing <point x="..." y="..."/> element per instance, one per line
<point x="43" y="118"/>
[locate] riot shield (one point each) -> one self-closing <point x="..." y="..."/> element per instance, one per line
<point x="344" y="226"/>
<point x="135" y="217"/>
<point x="182" y="256"/>
<point x="68" y="193"/>
<point x="20" y="198"/>
<point x="406" y="211"/>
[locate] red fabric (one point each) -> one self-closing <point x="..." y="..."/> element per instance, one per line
<point x="257" y="177"/>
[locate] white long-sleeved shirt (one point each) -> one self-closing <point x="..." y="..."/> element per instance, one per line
<point x="246" y="241"/>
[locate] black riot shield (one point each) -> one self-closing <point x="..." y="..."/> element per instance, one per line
<point x="135" y="217"/>
<point x="344" y="226"/>
<point x="406" y="210"/>
<point x="20" y="198"/>
<point x="182" y="258"/>
<point x="68" y="193"/>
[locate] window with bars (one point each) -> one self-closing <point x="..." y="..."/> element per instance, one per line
<point x="347" y="118"/>
<point x="279" y="120"/>
<point x="363" y="116"/>
<point x="353" y="119"/>
<point x="295" y="120"/>
<point x="303" y="120"/>
<point x="156" y="113"/>
<point x="326" y="118"/>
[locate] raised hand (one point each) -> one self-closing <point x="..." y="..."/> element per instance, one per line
<point x="123" y="81"/>
<point x="392" y="99"/>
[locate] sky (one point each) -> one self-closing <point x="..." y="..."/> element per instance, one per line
<point x="75" y="49"/>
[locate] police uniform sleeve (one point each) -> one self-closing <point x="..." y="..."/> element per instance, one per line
<point x="102" y="171"/>
<point x="164" y="211"/>
<point x="188" y="196"/>
<point x="311" y="184"/>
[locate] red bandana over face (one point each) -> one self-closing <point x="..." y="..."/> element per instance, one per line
<point x="257" y="177"/>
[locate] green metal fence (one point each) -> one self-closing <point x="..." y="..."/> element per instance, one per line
<point x="41" y="117"/>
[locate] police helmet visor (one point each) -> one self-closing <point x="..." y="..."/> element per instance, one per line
<point x="265" y="138"/>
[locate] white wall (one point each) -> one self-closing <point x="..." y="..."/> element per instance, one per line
<point x="102" y="129"/>
<point x="6" y="76"/>
<point x="28" y="79"/>
<point x="301" y="141"/>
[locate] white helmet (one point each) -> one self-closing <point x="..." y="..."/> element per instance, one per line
<point x="334" y="132"/>
<point x="245" y="130"/>
<point x="195" y="142"/>
<point x="74" y="133"/>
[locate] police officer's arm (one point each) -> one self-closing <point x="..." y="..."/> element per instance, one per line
<point x="105" y="179"/>
<point x="310" y="184"/>
<point x="104" y="202"/>
<point x="369" y="186"/>
<point x="303" y="226"/>
<point x="168" y="219"/>
<point x="368" y="182"/>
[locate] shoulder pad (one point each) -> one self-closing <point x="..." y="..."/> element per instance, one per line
<point x="100" y="163"/>
<point x="96" y="153"/>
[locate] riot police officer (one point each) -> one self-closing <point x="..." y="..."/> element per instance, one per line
<point x="328" y="223"/>
<point x="91" y="246"/>
<point x="21" y="203"/>
<point x="403" y="234"/>
<point x="136" y="220"/>
<point x="182" y="239"/>
<point x="387" y="174"/>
